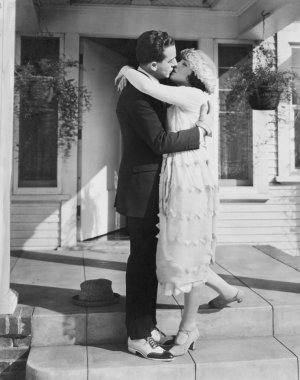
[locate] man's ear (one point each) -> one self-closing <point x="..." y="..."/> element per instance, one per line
<point x="153" y="66"/>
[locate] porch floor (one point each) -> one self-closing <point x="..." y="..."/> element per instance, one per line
<point x="257" y="339"/>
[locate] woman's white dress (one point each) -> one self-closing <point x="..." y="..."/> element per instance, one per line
<point x="187" y="210"/>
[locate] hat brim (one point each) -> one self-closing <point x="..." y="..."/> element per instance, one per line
<point x="98" y="303"/>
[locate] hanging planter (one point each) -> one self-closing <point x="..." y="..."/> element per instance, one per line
<point x="259" y="82"/>
<point x="44" y="88"/>
<point x="264" y="98"/>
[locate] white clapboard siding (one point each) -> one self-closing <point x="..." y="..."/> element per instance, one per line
<point x="249" y="223"/>
<point x="35" y="225"/>
<point x="258" y="207"/>
<point x="39" y="218"/>
<point x="287" y="200"/>
<point x="259" y="239"/>
<point x="260" y="231"/>
<point x="45" y="226"/>
<point x="34" y="243"/>
<point x="258" y="215"/>
<point x="283" y="191"/>
<point x="33" y="209"/>
<point x="274" y="222"/>
<point x="34" y="234"/>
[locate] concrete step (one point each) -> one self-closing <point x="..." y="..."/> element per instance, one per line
<point x="257" y="339"/>
<point x="276" y="282"/>
<point x="56" y="321"/>
<point x="77" y="325"/>
<point x="271" y="303"/>
<point x="259" y="358"/>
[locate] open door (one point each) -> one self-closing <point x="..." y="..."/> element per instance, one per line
<point x="100" y="147"/>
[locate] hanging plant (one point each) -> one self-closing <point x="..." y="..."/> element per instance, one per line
<point x="260" y="82"/>
<point x="43" y="87"/>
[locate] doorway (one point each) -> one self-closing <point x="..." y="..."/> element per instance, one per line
<point x="100" y="142"/>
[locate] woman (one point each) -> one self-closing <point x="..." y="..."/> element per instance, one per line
<point x="188" y="195"/>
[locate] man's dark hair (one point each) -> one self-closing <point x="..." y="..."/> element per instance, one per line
<point x="150" y="46"/>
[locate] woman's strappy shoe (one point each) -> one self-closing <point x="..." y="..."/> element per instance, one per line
<point x="184" y="341"/>
<point x="220" y="302"/>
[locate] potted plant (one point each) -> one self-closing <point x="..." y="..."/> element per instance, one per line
<point x="260" y="82"/>
<point x="43" y="87"/>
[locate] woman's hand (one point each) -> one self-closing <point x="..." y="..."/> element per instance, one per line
<point x="205" y="118"/>
<point x="121" y="83"/>
<point x="120" y="79"/>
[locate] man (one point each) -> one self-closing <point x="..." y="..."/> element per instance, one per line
<point x="145" y="139"/>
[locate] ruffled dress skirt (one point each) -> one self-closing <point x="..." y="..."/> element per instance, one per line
<point x="187" y="221"/>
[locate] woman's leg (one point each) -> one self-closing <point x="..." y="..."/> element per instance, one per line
<point x="188" y="332"/>
<point x="217" y="283"/>
<point x="191" y="305"/>
<point x="191" y="299"/>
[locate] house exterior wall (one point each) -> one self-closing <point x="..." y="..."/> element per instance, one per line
<point x="46" y="217"/>
<point x="271" y="222"/>
<point x="265" y="213"/>
<point x="35" y="224"/>
<point x="275" y="220"/>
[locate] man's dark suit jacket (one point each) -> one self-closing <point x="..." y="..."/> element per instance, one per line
<point x="142" y="120"/>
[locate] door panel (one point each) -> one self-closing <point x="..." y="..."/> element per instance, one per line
<point x="101" y="141"/>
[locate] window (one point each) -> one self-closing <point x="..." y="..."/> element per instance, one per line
<point x="38" y="148"/>
<point x="235" y="135"/>
<point x="296" y="106"/>
<point x="297" y="136"/>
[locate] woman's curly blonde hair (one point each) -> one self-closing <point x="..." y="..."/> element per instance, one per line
<point x="202" y="66"/>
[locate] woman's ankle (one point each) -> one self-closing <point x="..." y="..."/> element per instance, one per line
<point x="187" y="326"/>
<point x="229" y="292"/>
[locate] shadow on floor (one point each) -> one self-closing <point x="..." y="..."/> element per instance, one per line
<point x="63" y="259"/>
<point x="257" y="283"/>
<point x="60" y="300"/>
<point x="121" y="234"/>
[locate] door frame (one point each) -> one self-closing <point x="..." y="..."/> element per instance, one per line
<point x="121" y="220"/>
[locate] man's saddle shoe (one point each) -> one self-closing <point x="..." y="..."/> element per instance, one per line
<point x="149" y="349"/>
<point x="165" y="341"/>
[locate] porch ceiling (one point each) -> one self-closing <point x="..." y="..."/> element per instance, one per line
<point x="236" y="19"/>
<point x="234" y="6"/>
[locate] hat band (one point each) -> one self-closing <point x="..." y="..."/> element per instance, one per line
<point x="94" y="298"/>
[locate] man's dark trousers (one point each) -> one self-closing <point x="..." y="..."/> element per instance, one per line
<point x="141" y="281"/>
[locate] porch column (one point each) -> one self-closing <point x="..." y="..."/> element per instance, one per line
<point x="209" y="47"/>
<point x="8" y="298"/>
<point x="69" y="179"/>
<point x="262" y="120"/>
